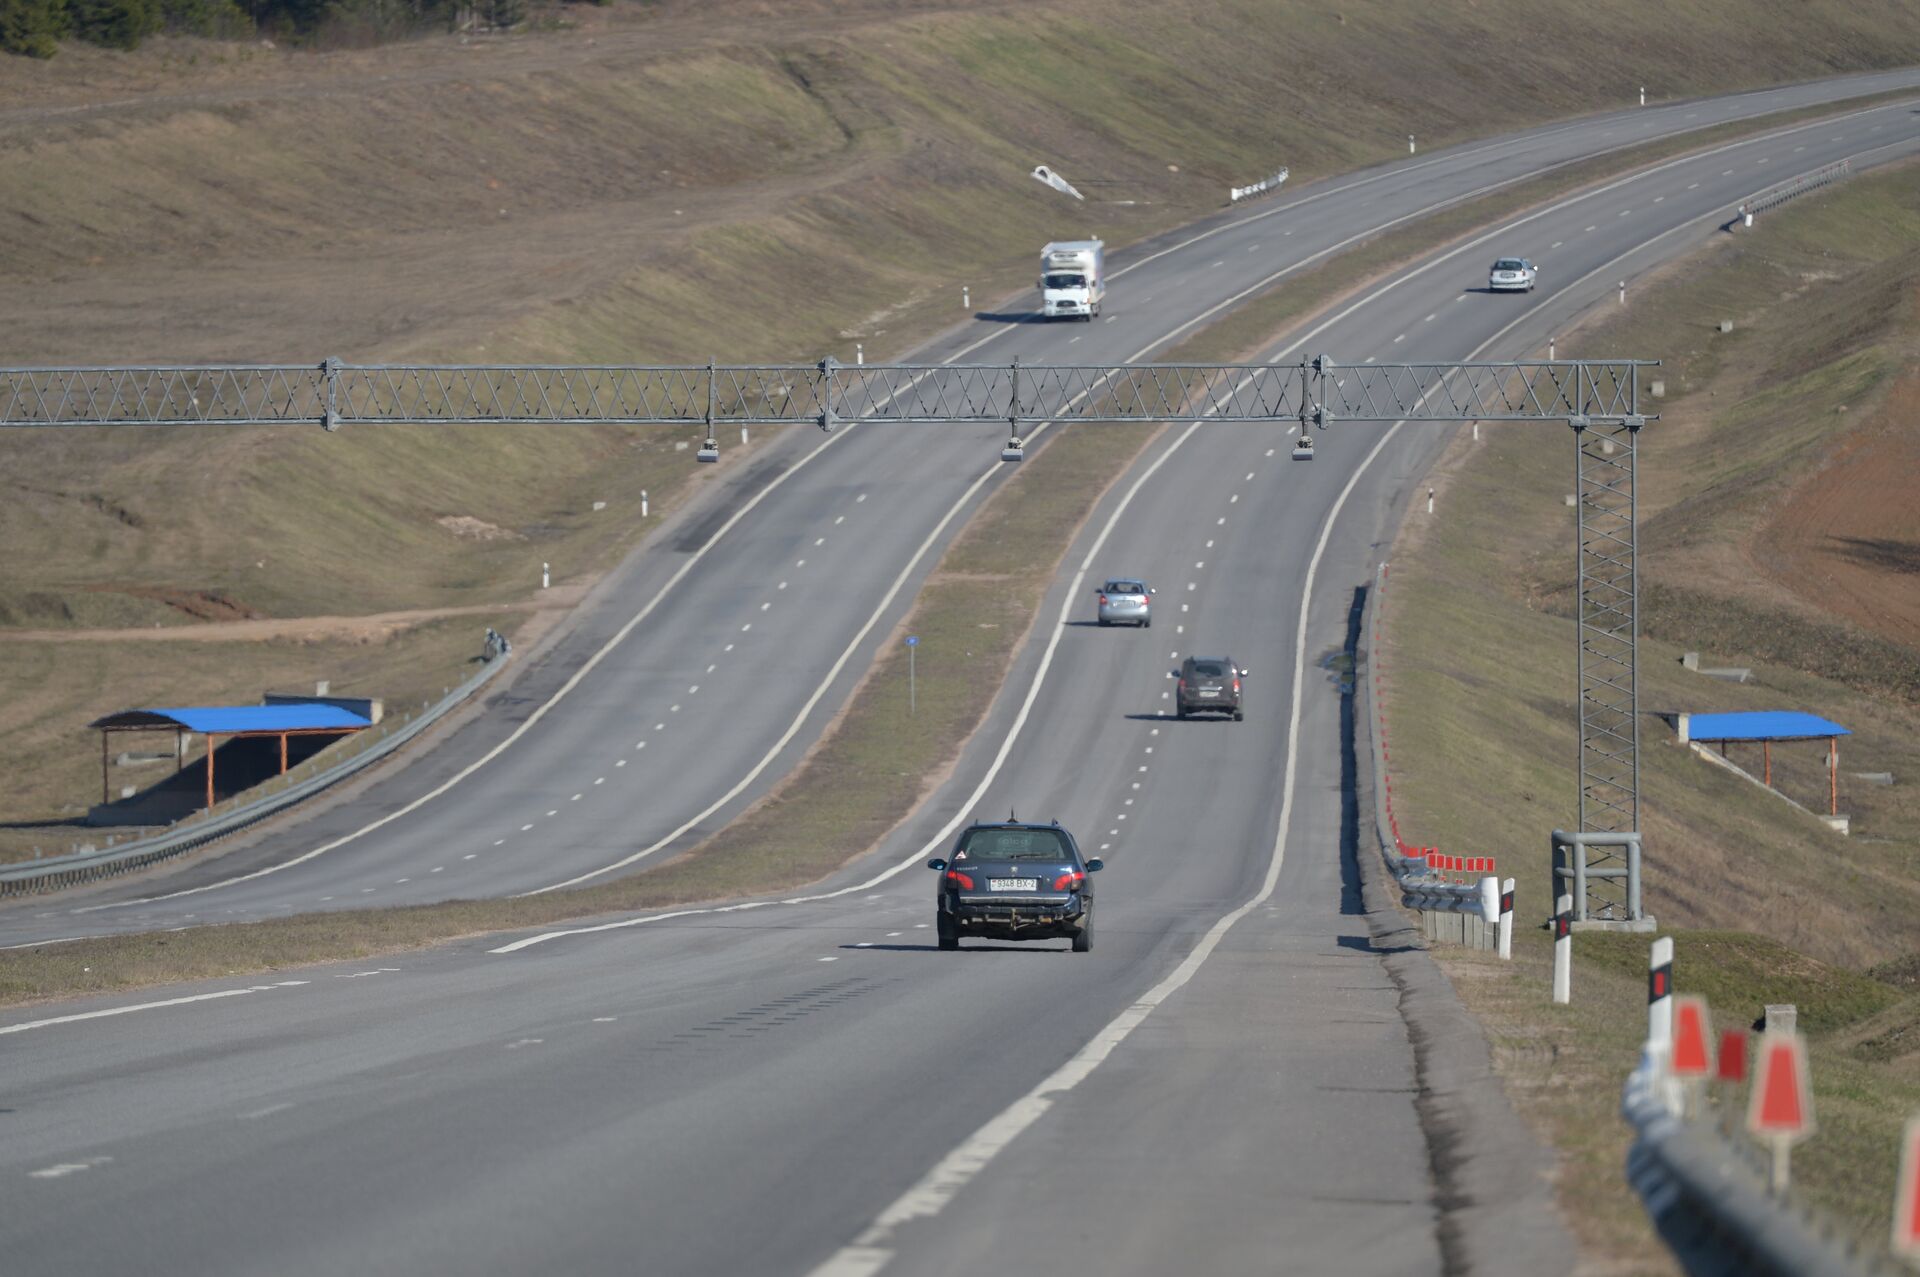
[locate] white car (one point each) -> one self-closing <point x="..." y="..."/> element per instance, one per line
<point x="1512" y="275"/>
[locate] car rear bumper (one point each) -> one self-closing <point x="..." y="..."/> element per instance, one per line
<point x="1017" y="919"/>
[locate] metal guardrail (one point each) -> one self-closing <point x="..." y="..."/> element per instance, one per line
<point x="56" y="872"/>
<point x="1710" y="1203"/>
<point x="1420" y="887"/>
<point x="1775" y="196"/>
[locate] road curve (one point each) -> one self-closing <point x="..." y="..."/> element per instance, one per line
<point x="701" y="672"/>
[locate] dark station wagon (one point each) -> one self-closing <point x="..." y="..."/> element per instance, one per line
<point x="1015" y="881"/>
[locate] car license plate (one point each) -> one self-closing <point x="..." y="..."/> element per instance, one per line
<point x="1013" y="884"/>
<point x="1209" y="691"/>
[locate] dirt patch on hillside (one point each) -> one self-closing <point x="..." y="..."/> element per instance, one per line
<point x="1848" y="538"/>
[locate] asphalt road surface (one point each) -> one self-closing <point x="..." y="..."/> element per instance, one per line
<point x="1227" y="1083"/>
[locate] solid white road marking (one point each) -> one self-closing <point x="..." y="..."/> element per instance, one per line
<point x="142" y="1006"/>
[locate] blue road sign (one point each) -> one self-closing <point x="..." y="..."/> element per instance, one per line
<point x="913" y="640"/>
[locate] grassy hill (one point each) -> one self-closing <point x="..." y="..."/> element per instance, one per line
<point x="644" y="182"/>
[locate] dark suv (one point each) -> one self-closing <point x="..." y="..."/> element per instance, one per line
<point x="1208" y="685"/>
<point x="1015" y="881"/>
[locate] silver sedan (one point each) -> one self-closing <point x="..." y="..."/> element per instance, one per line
<point x="1512" y="275"/>
<point x="1126" y="601"/>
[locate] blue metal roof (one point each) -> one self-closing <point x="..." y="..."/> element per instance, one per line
<point x="228" y="720"/>
<point x="1772" y="724"/>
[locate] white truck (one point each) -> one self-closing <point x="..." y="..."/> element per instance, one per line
<point x="1073" y="279"/>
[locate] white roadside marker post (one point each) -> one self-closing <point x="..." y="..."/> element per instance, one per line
<point x="1409" y="144"/>
<point x="1660" y="993"/>
<point x="966" y="302"/>
<point x="1563" y="949"/>
<point x="1506" y="921"/>
<point x="643" y="503"/>
<point x="1643" y="95"/>
<point x="545" y="570"/>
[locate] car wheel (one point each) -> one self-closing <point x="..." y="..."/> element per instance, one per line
<point x="1238" y="717"/>
<point x="948" y="934"/>
<point x="1180" y="712"/>
<point x="1083" y="938"/>
<point x="1147" y="624"/>
<point x="1101" y="622"/>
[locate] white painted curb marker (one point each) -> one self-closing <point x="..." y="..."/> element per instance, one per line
<point x="1563" y="949"/>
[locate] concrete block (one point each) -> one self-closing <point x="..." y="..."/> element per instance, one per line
<point x="1658" y="389"/>
<point x="1782" y="1017"/>
<point x="1841" y="825"/>
<point x="1874" y="778"/>
<point x="1726" y="325"/>
<point x="1572" y="500"/>
<point x="1690" y="660"/>
<point x="1729" y="675"/>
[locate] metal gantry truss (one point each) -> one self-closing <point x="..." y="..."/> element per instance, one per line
<point x="1598" y="398"/>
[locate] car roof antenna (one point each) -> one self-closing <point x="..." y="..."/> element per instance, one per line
<point x="1011" y="818"/>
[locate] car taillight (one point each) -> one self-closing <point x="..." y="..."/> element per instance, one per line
<point x="1103" y="600"/>
<point x="1182" y="685"/>
<point x="1236" y="687"/>
<point x="1069" y="881"/>
<point x="959" y="879"/>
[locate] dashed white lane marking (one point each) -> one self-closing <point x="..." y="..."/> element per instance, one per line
<point x="525" y="828"/>
<point x="1369" y="359"/>
<point x="673" y="709"/>
<point x="1589" y="228"/>
<point x="524" y="1042"/>
<point x="746" y="627"/>
<point x="1105" y="845"/>
<point x="1199" y="565"/>
<point x="1250" y="476"/>
<point x="605" y="1019"/>
<point x="554" y="812"/>
<point x="323" y="900"/>
<point x="574" y="799"/>
<point x="436" y="869"/>
<point x="1143" y="767"/>
<point x="1557" y="243"/>
<point x="468" y="856"/>
<point x="1397" y="340"/>
<point x="1429" y="318"/>
<point x="1109" y="319"/>
<point x="1659" y="199"/>
<point x="1269" y="452"/>
<point x="1798" y="149"/>
<point x="863" y="944"/>
<point x="1234" y="499"/>
<point x="839" y="519"/>
<point x="799" y="563"/>
<point x="1153" y="731"/>
<point x="1072" y="340"/>
<point x="619" y="762"/>
<point x="599" y="780"/>
<point x="692" y="690"/>
<point x="268" y="1111"/>
<point x="727" y="648"/>
<point x="765" y="606"/>
<point x="1219" y="521"/>
<point x="862" y="497"/>
<point x="1625" y="211"/>
<point x="829" y="959"/>
<point x="781" y="586"/>
<point x="63" y="1169"/>
<point x="1765" y="159"/>
<point x="892" y="934"/>
<point x="499" y="842"/>
<point x="1209" y="543"/>
<point x="1692" y="185"/>
<point x="819" y="540"/>
<point x="1728" y="173"/>
<point x="1179" y="629"/>
<point x="921" y="926"/>
<point x="143" y="1006"/>
<point x="1191" y="585"/>
<point x="366" y="891"/>
<point x="1220" y="263"/>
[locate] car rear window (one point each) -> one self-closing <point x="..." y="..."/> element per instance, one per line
<point x="1508" y="263"/>
<point x="1210" y="669"/>
<point x="1013" y="844"/>
<point x="1125" y="587"/>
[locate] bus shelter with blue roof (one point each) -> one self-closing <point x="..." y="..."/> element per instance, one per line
<point x="288" y="721"/>
<point x="1766" y="727"/>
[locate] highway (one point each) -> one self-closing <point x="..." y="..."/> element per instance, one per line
<point x="807" y="1085"/>
<point x="757" y="611"/>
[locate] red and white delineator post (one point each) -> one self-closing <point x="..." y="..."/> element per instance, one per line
<point x="1660" y="994"/>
